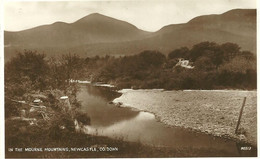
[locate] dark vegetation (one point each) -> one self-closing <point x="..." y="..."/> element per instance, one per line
<point x="31" y="75"/>
<point x="215" y="67"/>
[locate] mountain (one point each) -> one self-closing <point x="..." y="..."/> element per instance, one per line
<point x="97" y="34"/>
<point x="94" y="28"/>
<point x="238" y="26"/>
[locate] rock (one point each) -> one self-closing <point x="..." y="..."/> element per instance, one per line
<point x="39" y="96"/>
<point x="37" y="101"/>
<point x="39" y="108"/>
<point x="65" y="102"/>
<point x="64" y="97"/>
<point x="241" y="137"/>
<point x="22" y="113"/>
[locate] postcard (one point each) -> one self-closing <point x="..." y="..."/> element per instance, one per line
<point x="130" y="79"/>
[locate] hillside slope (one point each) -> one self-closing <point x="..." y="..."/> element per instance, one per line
<point x="97" y="34"/>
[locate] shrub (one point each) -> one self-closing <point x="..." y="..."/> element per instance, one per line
<point x="83" y="118"/>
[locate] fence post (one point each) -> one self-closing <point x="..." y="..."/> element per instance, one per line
<point x="241" y="111"/>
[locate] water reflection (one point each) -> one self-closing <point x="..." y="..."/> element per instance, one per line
<point x="127" y="124"/>
<point x="106" y="93"/>
<point x="94" y="102"/>
<point x="143" y="128"/>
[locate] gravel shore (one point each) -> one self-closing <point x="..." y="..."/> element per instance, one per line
<point x="210" y="111"/>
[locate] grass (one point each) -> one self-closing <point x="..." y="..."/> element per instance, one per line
<point x="34" y="138"/>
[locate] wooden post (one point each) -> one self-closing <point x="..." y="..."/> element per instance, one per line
<point x="241" y="111"/>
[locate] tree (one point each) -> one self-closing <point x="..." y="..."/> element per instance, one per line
<point x="23" y="73"/>
<point x="204" y="63"/>
<point x="152" y="58"/>
<point x="248" y="55"/>
<point x="208" y="49"/>
<point x="71" y="65"/>
<point x="28" y="66"/>
<point x="203" y="49"/>
<point x="182" y="52"/>
<point x="230" y="50"/>
<point x="239" y="64"/>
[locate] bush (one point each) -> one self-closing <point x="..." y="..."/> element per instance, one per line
<point x="27" y="67"/>
<point x="61" y="126"/>
<point x="83" y="118"/>
<point x="179" y="53"/>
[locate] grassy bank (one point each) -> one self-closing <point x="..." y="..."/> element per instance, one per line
<point x="37" y="138"/>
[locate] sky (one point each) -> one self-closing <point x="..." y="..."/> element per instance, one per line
<point x="148" y="15"/>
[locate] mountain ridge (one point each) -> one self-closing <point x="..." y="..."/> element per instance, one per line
<point x="97" y="32"/>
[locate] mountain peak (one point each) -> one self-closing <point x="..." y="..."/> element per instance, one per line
<point x="98" y="34"/>
<point x="97" y="21"/>
<point x="241" y="11"/>
<point x="232" y="15"/>
<point x="93" y="16"/>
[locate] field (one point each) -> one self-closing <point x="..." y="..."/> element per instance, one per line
<point x="213" y="112"/>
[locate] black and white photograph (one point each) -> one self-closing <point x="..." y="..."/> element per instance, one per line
<point x="129" y="78"/>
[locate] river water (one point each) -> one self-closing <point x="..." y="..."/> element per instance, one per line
<point x="132" y="125"/>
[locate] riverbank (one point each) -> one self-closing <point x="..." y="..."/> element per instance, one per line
<point x="78" y="145"/>
<point x="58" y="137"/>
<point x="212" y="112"/>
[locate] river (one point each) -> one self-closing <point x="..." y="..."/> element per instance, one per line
<point x="129" y="124"/>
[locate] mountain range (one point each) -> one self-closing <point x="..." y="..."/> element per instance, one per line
<point x="98" y="34"/>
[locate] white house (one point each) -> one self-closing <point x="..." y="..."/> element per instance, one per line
<point x="184" y="63"/>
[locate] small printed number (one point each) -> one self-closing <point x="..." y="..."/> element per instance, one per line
<point x="246" y="148"/>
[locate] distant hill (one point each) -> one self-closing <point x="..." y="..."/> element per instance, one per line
<point x="94" y="28"/>
<point x="238" y="26"/>
<point x="97" y="34"/>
